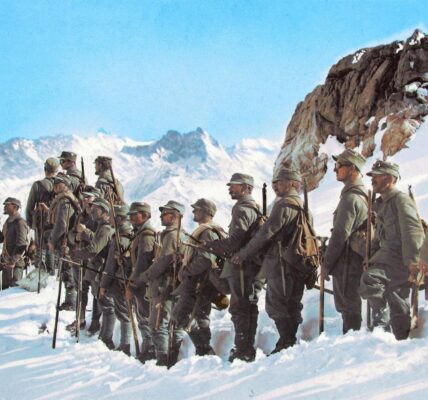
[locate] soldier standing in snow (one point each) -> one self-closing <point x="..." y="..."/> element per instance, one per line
<point x="196" y="292"/>
<point x="160" y="278"/>
<point x="42" y="192"/>
<point x="14" y="237"/>
<point x="242" y="280"/>
<point x="350" y="219"/>
<point x="105" y="180"/>
<point x="67" y="160"/>
<point x="142" y="255"/>
<point x="395" y="253"/>
<point x="285" y="275"/>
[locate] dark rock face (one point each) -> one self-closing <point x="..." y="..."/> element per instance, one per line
<point x="380" y="89"/>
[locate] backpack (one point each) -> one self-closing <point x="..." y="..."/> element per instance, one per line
<point x="256" y="225"/>
<point x="302" y="246"/>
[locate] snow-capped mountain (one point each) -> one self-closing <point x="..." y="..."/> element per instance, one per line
<point x="178" y="166"/>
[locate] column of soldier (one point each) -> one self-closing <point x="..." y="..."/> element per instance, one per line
<point x="172" y="278"/>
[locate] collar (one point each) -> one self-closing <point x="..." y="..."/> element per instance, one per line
<point x="389" y="195"/>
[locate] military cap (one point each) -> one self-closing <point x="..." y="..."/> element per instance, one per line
<point x="173" y="205"/>
<point x="286" y="174"/>
<point x="351" y="157"/>
<point x="384" y="168"/>
<point x="91" y="191"/>
<point x="51" y="164"/>
<point x="12" y="200"/>
<point x="241" y="179"/>
<point x="68" y="155"/>
<point x="102" y="203"/>
<point x="103" y="159"/>
<point x="205" y="205"/>
<point x="139" y="207"/>
<point x="121" y="211"/>
<point x="62" y="178"/>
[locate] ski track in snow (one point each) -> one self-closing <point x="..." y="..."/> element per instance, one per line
<point x="359" y="365"/>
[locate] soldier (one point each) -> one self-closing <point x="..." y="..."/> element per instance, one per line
<point x="242" y="280"/>
<point x="14" y="237"/>
<point x="42" y="192"/>
<point x="285" y="275"/>
<point x="95" y="252"/>
<point x="196" y="292"/>
<point x="395" y="252"/>
<point x="67" y="160"/>
<point x="142" y="255"/>
<point x="84" y="231"/>
<point x="161" y="284"/>
<point x="105" y="180"/>
<point x="112" y="287"/>
<point x="62" y="215"/>
<point x="350" y="220"/>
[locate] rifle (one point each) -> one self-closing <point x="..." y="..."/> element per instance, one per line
<point x="115" y="185"/>
<point x="174" y="280"/>
<point x="100" y="272"/>
<point x="63" y="244"/>
<point x="322" y="288"/>
<point x="368" y="248"/>
<point x="264" y="199"/>
<point x="40" y="237"/>
<point x="122" y="269"/>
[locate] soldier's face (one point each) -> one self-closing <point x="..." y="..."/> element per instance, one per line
<point x="342" y="171"/>
<point x="137" y="219"/>
<point x="168" y="218"/>
<point x="87" y="202"/>
<point x="381" y="183"/>
<point x="9" y="209"/>
<point x="96" y="212"/>
<point x="65" y="164"/>
<point x="97" y="168"/>
<point x="281" y="187"/>
<point x="198" y="215"/>
<point x="236" y="191"/>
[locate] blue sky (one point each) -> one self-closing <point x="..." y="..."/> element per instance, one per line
<point x="139" y="68"/>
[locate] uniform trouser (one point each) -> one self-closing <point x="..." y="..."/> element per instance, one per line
<point x="121" y="312"/>
<point x="160" y="314"/>
<point x="142" y="311"/>
<point x="10" y="276"/>
<point x="388" y="298"/>
<point x="106" y="304"/>
<point x="68" y="278"/>
<point x="199" y="332"/>
<point x="285" y="309"/>
<point x="243" y="307"/>
<point x="346" y="283"/>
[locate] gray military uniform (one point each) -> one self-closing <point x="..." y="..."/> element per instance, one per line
<point x="195" y="292"/>
<point x="14" y="237"/>
<point x="159" y="278"/>
<point x="105" y="182"/>
<point x="399" y="236"/>
<point x="340" y="260"/>
<point x="243" y="309"/>
<point x="273" y="237"/>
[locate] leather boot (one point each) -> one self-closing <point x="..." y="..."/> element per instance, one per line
<point x="124" y="348"/>
<point x="147" y="351"/>
<point x="50" y="263"/>
<point x="351" y="322"/>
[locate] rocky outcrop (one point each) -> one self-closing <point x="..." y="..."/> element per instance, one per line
<point x="379" y="90"/>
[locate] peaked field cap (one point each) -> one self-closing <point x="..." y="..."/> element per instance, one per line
<point x="206" y="205"/>
<point x="287" y="174"/>
<point x="121" y="211"/>
<point x="102" y="203"/>
<point x="12" y="200"/>
<point x="62" y="178"/>
<point x="68" y="155"/>
<point x="173" y="205"/>
<point x="91" y="191"/>
<point x="103" y="159"/>
<point x="351" y="157"/>
<point x="138" y="206"/>
<point x="52" y="163"/>
<point x="241" y="179"/>
<point x="385" y="168"/>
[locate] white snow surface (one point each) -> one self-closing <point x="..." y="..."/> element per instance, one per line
<point x="359" y="365"/>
